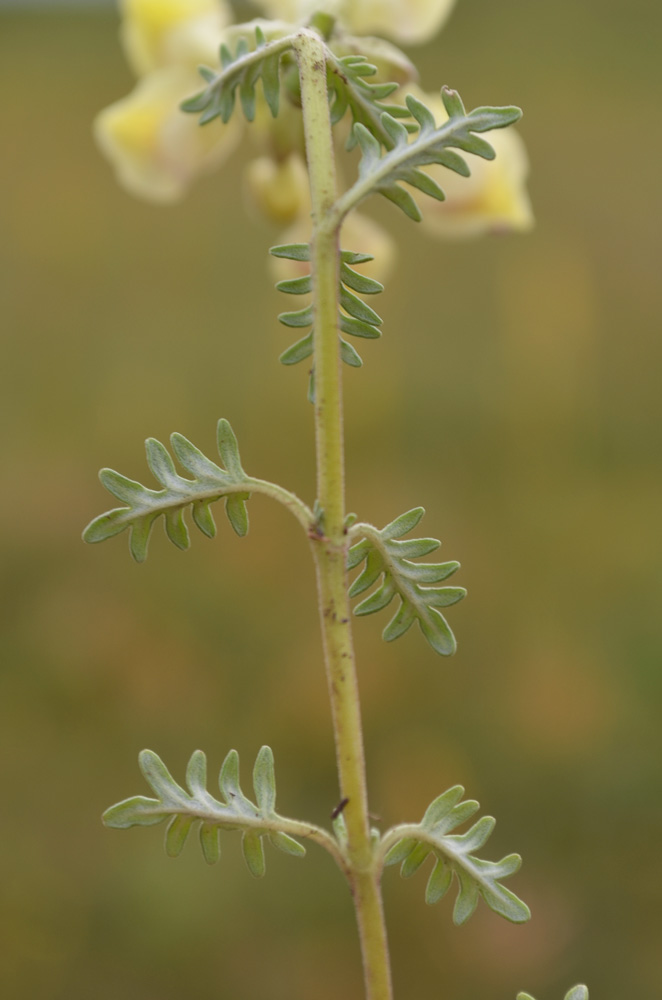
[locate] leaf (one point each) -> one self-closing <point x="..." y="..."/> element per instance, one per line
<point x="234" y="811"/>
<point x="384" y="172"/>
<point x="209" y="483"/>
<point x="355" y="317"/>
<point x="454" y="859"/>
<point x="255" y="58"/>
<point x="388" y="564"/>
<point x="351" y="90"/>
<point x="575" y="993"/>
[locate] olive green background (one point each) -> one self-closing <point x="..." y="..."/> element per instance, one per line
<point x="515" y="393"/>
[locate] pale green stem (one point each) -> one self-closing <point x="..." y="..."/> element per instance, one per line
<point x="330" y="546"/>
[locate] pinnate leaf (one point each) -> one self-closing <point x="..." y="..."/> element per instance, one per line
<point x="209" y="483"/>
<point x="454" y="859"/>
<point x="183" y="808"/>
<point x="575" y="993"/>
<point x="383" y="172"/>
<point x="388" y="563"/>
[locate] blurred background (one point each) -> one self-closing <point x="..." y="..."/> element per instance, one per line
<point x="515" y="394"/>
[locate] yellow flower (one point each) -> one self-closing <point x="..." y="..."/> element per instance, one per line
<point x="157" y="150"/>
<point x="408" y="21"/>
<point x="493" y="199"/>
<point x="157" y="33"/>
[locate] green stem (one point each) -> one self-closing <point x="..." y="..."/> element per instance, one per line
<point x="330" y="546"/>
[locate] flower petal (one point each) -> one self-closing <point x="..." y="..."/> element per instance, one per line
<point x="156" y="149"/>
<point x="407" y="21"/>
<point x="157" y="33"/>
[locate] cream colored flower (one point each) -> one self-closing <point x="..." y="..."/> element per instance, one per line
<point x="156" y="33"/>
<point x="493" y="199"/>
<point x="278" y="189"/>
<point x="157" y="150"/>
<point x="407" y="21"/>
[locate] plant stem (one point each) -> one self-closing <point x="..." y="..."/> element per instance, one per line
<point x="330" y="546"/>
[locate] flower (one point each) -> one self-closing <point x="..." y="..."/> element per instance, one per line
<point x="157" y="33"/>
<point x="408" y="21"/>
<point x="157" y="150"/>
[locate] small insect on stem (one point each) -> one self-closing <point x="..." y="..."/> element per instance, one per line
<point x="339" y="808"/>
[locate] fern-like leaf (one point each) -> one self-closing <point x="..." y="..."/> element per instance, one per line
<point x="350" y="89"/>
<point x="454" y="858"/>
<point x="145" y="506"/>
<point x="355" y="317"/>
<point x="185" y="808"/>
<point x="240" y="71"/>
<point x="388" y="562"/>
<point x="384" y="173"/>
<point x="575" y="993"/>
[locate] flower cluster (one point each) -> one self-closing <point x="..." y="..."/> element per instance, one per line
<point x="157" y="151"/>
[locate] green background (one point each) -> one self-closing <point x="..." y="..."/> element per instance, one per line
<point x="515" y="393"/>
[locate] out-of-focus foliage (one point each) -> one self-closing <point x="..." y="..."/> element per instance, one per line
<point x="525" y="412"/>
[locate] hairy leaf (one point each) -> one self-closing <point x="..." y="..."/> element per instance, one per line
<point x="387" y="559"/>
<point x="240" y="72"/>
<point x="184" y="808"/>
<point x="575" y="993"/>
<point x="384" y="172"/>
<point x="350" y="89"/>
<point x="453" y="856"/>
<point x="355" y="317"/>
<point x="208" y="484"/>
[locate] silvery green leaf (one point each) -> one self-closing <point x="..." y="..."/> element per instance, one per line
<point x="297" y="352"/>
<point x="264" y="781"/>
<point x="228" y="449"/>
<point x="251" y="845"/>
<point x="296" y="286"/>
<point x="299" y="318"/>
<point x="196" y="774"/>
<point x="357" y="328"/>
<point x="137" y="811"/>
<point x="385" y="555"/>
<point x="576" y="993"/>
<point x="286" y="844"/>
<point x="400" y="623"/>
<point x="359" y="282"/>
<point x="350" y="355"/>
<point x="357" y="308"/>
<point x="400" y="851"/>
<point x="403" y="524"/>
<point x="184" y="809"/>
<point x="442" y="807"/>
<point x="210" y="842"/>
<point x="235" y="509"/>
<point x="380" y="598"/>
<point x="292" y="251"/>
<point x="253" y="59"/>
<point x="373" y="569"/>
<point x="144" y="507"/>
<point x="454" y="859"/>
<point x="178" y="830"/>
<point x="414" y="860"/>
<point x="384" y="172"/>
<point x="439" y="882"/>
